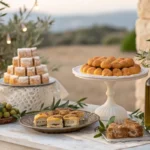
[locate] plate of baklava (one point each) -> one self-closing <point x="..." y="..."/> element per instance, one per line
<point x="128" y="130"/>
<point x="110" y="68"/>
<point x="60" y="120"/>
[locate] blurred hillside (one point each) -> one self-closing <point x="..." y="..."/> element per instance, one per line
<point x="121" y="19"/>
<point x="106" y="35"/>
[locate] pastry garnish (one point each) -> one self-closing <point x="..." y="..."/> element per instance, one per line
<point x="102" y="128"/>
<point x="59" y="104"/>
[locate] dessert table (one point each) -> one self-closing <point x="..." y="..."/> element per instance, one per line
<point x="16" y="137"/>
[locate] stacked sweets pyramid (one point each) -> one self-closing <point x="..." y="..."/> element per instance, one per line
<point x="26" y="69"/>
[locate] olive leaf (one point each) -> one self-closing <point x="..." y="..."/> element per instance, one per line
<point x="97" y="135"/>
<point x="101" y="124"/>
<point x="23" y="113"/>
<point x="16" y="116"/>
<point x="58" y="104"/>
<point x="1" y="107"/>
<point x="53" y="103"/>
<point x="111" y="120"/>
<point x="65" y="104"/>
<point x="139" y="115"/>
<point x="134" y="112"/>
<point x="42" y="105"/>
<point x="102" y="128"/>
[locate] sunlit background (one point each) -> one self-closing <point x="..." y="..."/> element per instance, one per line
<point x="68" y="7"/>
<point x="70" y="14"/>
<point x="81" y="29"/>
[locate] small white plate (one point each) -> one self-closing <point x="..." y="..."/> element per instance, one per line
<point x="145" y="137"/>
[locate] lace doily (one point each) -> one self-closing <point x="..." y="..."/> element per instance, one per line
<point x="31" y="98"/>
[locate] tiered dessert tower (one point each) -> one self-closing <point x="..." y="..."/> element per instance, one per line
<point x="26" y="69"/>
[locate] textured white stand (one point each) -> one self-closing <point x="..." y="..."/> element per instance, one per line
<point x="31" y="98"/>
<point x="110" y="108"/>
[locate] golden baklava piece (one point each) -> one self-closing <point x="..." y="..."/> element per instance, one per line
<point x="55" y="121"/>
<point x="116" y="131"/>
<point x="40" y="119"/>
<point x="63" y="111"/>
<point x="71" y="120"/>
<point x="135" y="129"/>
<point x="79" y="113"/>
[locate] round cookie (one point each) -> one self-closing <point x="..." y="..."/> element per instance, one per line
<point x="116" y="64"/>
<point x="107" y="72"/>
<point x="91" y="70"/>
<point x="111" y="59"/>
<point x="117" y="72"/>
<point x="135" y="69"/>
<point x="130" y="62"/>
<point x="81" y="69"/>
<point x="84" y="70"/>
<point x="123" y="64"/>
<point x="96" y="63"/>
<point x="126" y="72"/>
<point x="90" y="61"/>
<point x="98" y="71"/>
<point x="106" y="64"/>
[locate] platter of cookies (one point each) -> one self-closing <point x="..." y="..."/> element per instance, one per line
<point x="26" y="69"/>
<point x="60" y="120"/>
<point x="110" y="68"/>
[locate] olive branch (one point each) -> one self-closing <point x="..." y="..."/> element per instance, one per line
<point x="57" y="104"/>
<point x="102" y="128"/>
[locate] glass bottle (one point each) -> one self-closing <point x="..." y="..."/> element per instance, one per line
<point x="147" y="103"/>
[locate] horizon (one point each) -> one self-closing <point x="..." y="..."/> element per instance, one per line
<point x="64" y="7"/>
<point x="77" y="15"/>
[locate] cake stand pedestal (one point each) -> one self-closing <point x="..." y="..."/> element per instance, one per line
<point x="110" y="108"/>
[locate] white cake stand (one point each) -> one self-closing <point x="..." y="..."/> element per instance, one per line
<point x="110" y="108"/>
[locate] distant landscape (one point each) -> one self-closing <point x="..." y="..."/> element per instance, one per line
<point x="123" y="19"/>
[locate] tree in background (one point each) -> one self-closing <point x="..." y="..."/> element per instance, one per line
<point x="129" y="42"/>
<point x="20" y="32"/>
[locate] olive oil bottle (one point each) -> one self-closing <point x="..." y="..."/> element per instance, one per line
<point x="147" y="103"/>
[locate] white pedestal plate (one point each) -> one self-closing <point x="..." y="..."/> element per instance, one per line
<point x="110" y="108"/>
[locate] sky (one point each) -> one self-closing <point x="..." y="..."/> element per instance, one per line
<point x="75" y="7"/>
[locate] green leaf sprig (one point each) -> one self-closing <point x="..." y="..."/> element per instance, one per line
<point x="58" y="104"/>
<point x="140" y="115"/>
<point x="144" y="58"/>
<point x="102" y="128"/>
